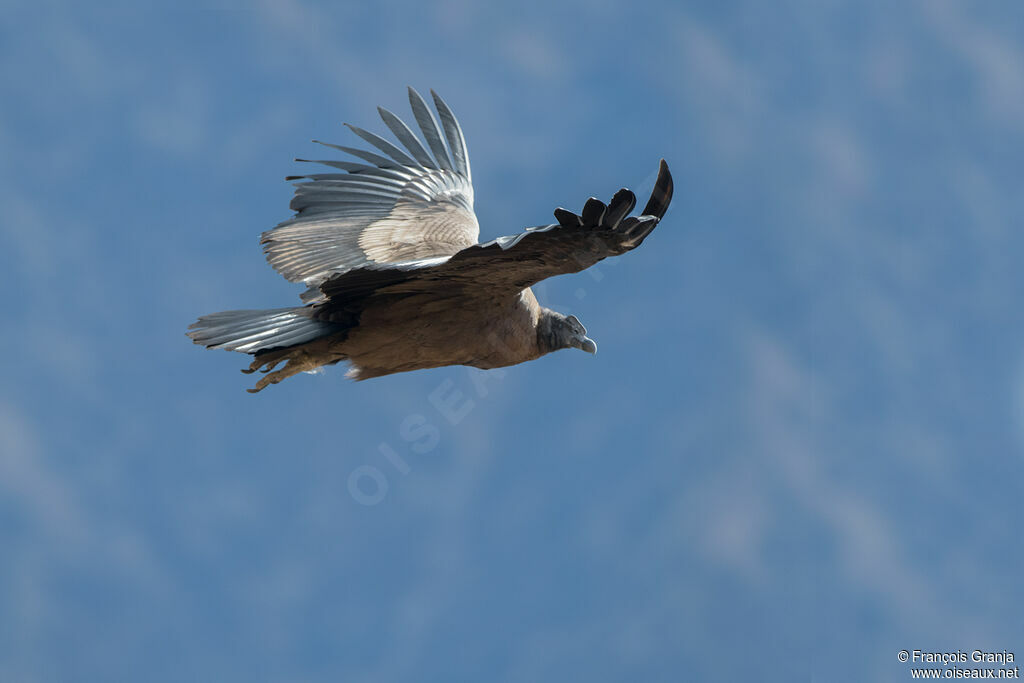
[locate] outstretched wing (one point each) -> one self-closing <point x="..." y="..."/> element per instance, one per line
<point x="508" y="265"/>
<point x="575" y="243"/>
<point x="400" y="206"/>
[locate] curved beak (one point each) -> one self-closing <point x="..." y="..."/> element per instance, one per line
<point x="584" y="343"/>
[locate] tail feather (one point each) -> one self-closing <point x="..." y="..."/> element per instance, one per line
<point x="252" y="331"/>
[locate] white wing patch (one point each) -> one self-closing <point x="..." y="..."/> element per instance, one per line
<point x="394" y="209"/>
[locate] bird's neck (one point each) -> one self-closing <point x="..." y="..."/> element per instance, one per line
<point x="548" y="339"/>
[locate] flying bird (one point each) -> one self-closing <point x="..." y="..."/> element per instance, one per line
<point x="387" y="246"/>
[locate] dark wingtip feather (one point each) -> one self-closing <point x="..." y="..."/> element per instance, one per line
<point x="567" y="219"/>
<point x="593" y="212"/>
<point x="619" y="207"/>
<point x="661" y="195"/>
<point x="639" y="231"/>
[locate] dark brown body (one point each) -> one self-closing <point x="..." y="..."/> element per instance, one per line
<point x="419" y="332"/>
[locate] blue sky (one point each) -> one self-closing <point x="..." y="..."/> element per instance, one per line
<point x="798" y="451"/>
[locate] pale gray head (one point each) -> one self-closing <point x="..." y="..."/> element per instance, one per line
<point x="556" y="331"/>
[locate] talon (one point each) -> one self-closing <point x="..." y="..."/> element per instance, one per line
<point x="261" y="385"/>
<point x="292" y="367"/>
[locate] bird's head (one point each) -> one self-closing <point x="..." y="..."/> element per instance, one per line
<point x="556" y="331"/>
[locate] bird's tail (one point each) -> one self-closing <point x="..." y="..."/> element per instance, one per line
<point x="254" y="331"/>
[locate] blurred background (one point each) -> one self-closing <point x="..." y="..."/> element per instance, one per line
<point x="798" y="451"/>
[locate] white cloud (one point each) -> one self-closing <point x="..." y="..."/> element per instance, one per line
<point x="720" y="86"/>
<point x="58" y="535"/>
<point x="996" y="60"/>
<point x="536" y="55"/>
<point x="841" y="155"/>
<point x="176" y="119"/>
<point x="25" y="477"/>
<point x="1017" y="404"/>
<point x="793" y="416"/>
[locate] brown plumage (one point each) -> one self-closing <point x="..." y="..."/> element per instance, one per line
<point x="397" y="281"/>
